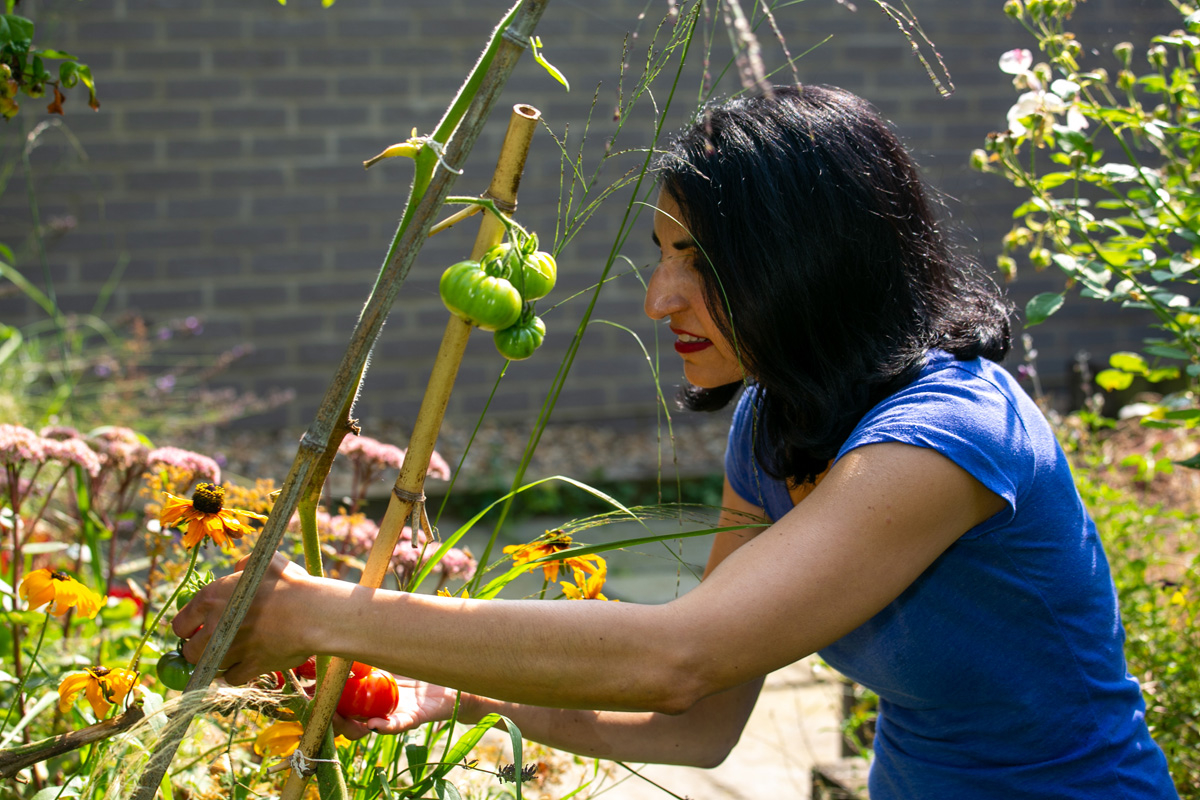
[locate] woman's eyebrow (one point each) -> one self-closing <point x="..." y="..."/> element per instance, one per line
<point x="683" y="244"/>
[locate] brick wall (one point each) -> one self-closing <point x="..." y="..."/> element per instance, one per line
<point x="224" y="172"/>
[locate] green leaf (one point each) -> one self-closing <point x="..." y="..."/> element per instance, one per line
<point x="1112" y="380"/>
<point x="445" y="790"/>
<point x="1191" y="463"/>
<point x="1163" y="351"/>
<point x="56" y="54"/>
<point x="1053" y="180"/>
<point x="535" y="45"/>
<point x="16" y="30"/>
<point x="1118" y="172"/>
<point x="1183" y="413"/>
<point x="1128" y="362"/>
<point x="22" y="617"/>
<point x="1162" y="374"/>
<point x="418" y="756"/>
<point x="1040" y="308"/>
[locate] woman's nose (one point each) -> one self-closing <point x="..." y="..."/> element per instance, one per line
<point x="662" y="294"/>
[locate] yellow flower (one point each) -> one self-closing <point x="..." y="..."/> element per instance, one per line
<point x="205" y="516"/>
<point x="278" y="739"/>
<point x="61" y="590"/>
<point x="103" y="688"/>
<point x="282" y="738"/>
<point x="585" y="587"/>
<point x="447" y="593"/>
<point x="553" y="542"/>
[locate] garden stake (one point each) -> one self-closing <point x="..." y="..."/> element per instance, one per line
<point x="330" y="421"/>
<point x="407" y="497"/>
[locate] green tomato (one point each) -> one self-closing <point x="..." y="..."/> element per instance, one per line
<point x="533" y="275"/>
<point x="174" y="671"/>
<point x="487" y="301"/>
<point x="194" y="584"/>
<point x="517" y="342"/>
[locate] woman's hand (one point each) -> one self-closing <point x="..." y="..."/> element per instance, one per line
<point x="273" y="633"/>
<point x="419" y="703"/>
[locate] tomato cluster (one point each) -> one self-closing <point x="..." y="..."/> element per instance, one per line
<point x="497" y="294"/>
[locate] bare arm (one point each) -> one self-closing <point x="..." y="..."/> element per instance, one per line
<point x="877" y="520"/>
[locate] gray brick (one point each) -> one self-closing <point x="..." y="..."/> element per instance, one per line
<point x="391" y="30"/>
<point x="207" y="30"/>
<point x="163" y="119"/>
<point x="245" y="235"/>
<point x="202" y="149"/>
<point x="312" y="86"/>
<point x="249" y="57"/>
<point x="204" y="89"/>
<point x="278" y="147"/>
<point x="249" y="177"/>
<point x="334" y="232"/>
<point x="115" y="31"/>
<point x="155" y="60"/>
<point x="118" y="89"/>
<point x="326" y="57"/>
<point x="289" y="205"/>
<point x="226" y="296"/>
<point x="291" y="30"/>
<point x="122" y="210"/>
<point x="203" y="208"/>
<point x="177" y="300"/>
<point x="287" y="263"/>
<point x="249" y="117"/>
<point x="265" y="327"/>
<point x="136" y="151"/>
<point x="168" y="238"/>
<point x="345" y="116"/>
<point x="159" y="180"/>
<point x="341" y="174"/>
<point x="207" y="265"/>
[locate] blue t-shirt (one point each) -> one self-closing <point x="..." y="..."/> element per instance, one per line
<point x="1000" y="670"/>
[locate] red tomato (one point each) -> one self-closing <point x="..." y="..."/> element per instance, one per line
<point x="369" y="693"/>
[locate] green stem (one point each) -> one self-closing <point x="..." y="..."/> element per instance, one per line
<point x="137" y="652"/>
<point x="18" y="707"/>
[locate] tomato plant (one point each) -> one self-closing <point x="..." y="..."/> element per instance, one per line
<point x="534" y="273"/>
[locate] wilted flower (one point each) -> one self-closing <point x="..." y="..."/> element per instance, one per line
<point x="103" y="688"/>
<point x="206" y="516"/>
<point x="63" y="592"/>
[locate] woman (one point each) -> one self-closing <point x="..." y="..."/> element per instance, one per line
<point x="927" y="538"/>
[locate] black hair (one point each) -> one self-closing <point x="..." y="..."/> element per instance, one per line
<point x="823" y="264"/>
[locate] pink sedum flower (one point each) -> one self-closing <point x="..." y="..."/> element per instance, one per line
<point x="119" y="448"/>
<point x="18" y="444"/>
<point x="73" y="451"/>
<point x="200" y="466"/>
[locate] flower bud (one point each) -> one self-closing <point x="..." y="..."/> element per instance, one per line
<point x="1007" y="267"/>
<point x="1017" y="238"/>
<point x="1126" y="80"/>
<point x="1124" y="53"/>
<point x="1014" y="8"/>
<point x="979" y="160"/>
<point x="1039" y="257"/>
<point x="1157" y="56"/>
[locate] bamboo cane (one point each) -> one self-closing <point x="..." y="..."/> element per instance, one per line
<point x="408" y="493"/>
<point x="331" y="419"/>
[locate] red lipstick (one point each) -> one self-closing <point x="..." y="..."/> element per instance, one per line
<point x="683" y="347"/>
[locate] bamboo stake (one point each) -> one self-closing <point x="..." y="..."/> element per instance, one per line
<point x="331" y="419"/>
<point x="18" y="758"/>
<point x="407" y="495"/>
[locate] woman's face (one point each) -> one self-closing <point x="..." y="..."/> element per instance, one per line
<point x="676" y="293"/>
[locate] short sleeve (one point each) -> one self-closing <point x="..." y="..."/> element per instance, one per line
<point x="746" y="477"/>
<point x="967" y="417"/>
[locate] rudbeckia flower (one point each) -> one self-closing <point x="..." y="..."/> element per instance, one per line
<point x="205" y="516"/>
<point x="585" y="587"/>
<point x="63" y="592"/>
<point x="103" y="688"/>
<point x="553" y="542"/>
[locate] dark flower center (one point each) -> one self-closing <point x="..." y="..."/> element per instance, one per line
<point x="208" y="498"/>
<point x="60" y="576"/>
